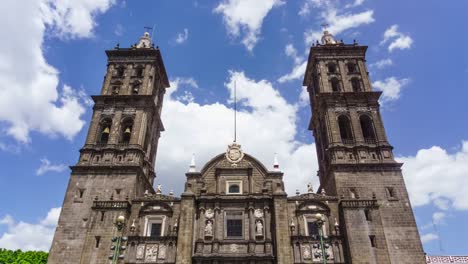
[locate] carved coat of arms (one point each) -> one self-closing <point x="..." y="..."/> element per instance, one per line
<point x="234" y="153"/>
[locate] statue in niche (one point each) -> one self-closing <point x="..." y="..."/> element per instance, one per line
<point x="259" y="228"/>
<point x="209" y="228"/>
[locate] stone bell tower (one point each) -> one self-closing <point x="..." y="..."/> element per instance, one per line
<point x="117" y="161"/>
<point x="356" y="162"/>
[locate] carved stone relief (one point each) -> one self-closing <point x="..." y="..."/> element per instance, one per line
<point x="151" y="252"/>
<point x="306" y="252"/>
<point x="140" y="252"/>
<point x="162" y="252"/>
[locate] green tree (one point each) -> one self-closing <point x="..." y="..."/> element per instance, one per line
<point x="20" y="257"/>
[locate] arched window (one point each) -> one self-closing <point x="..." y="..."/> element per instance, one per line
<point x="120" y="71"/>
<point x="139" y="72"/>
<point x="126" y="133"/>
<point x="356" y="84"/>
<point x="352" y="67"/>
<point x="105" y="131"/>
<point x="335" y="84"/>
<point x="367" y="128"/>
<point x="135" y="88"/>
<point x="345" y="129"/>
<point x="331" y="67"/>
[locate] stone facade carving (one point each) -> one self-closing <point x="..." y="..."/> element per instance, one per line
<point x="162" y="252"/>
<point x="209" y="228"/>
<point x="258" y="228"/>
<point x="140" y="252"/>
<point x="151" y="253"/>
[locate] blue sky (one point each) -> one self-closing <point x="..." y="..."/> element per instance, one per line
<point x="52" y="60"/>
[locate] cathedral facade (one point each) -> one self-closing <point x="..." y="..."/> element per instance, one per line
<point x="234" y="210"/>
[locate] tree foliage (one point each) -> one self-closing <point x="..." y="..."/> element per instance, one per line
<point x="20" y="257"/>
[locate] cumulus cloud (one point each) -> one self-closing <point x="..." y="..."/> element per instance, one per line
<point x="265" y="125"/>
<point x="428" y="237"/>
<point x="46" y="166"/>
<point x="244" y="18"/>
<point x="396" y="39"/>
<point x="72" y="19"/>
<point x="30" y="99"/>
<point x="381" y="63"/>
<point x="434" y="174"/>
<point x="29" y="236"/>
<point x="391" y="88"/>
<point x="182" y="37"/>
<point x="338" y="23"/>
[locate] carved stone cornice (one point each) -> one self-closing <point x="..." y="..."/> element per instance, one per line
<point x="357" y="167"/>
<point x="359" y="203"/>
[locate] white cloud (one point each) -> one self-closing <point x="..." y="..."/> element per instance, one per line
<point x="266" y="125"/>
<point x="46" y="166"/>
<point x="245" y="17"/>
<point x="391" y="88"/>
<point x="397" y="39"/>
<point x="339" y="23"/>
<point x="28" y="236"/>
<point x="434" y="174"/>
<point x="429" y="237"/>
<point x="299" y="67"/>
<point x="182" y="37"/>
<point x="29" y="97"/>
<point x="296" y="73"/>
<point x="438" y="217"/>
<point x="73" y="19"/>
<point x="355" y="3"/>
<point x="119" y="30"/>
<point x="382" y="63"/>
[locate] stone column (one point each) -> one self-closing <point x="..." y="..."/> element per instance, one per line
<point x="356" y="126"/>
<point x="186" y="228"/>
<point x="115" y="128"/>
<point x="251" y="223"/>
<point x="283" y="239"/>
<point x="93" y="128"/>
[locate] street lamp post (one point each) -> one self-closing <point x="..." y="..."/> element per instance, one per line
<point x="116" y="247"/>
<point x="319" y="222"/>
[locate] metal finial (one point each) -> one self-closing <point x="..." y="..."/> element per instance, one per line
<point x="235" y="111"/>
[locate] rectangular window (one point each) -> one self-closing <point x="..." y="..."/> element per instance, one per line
<point x="234" y="187"/>
<point x="372" y="241"/>
<point x="368" y="215"/>
<point x="313" y="230"/>
<point x="234" y="224"/>
<point x="98" y="239"/>
<point x="234" y="228"/>
<point x="155" y="230"/>
<point x="155" y="226"/>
